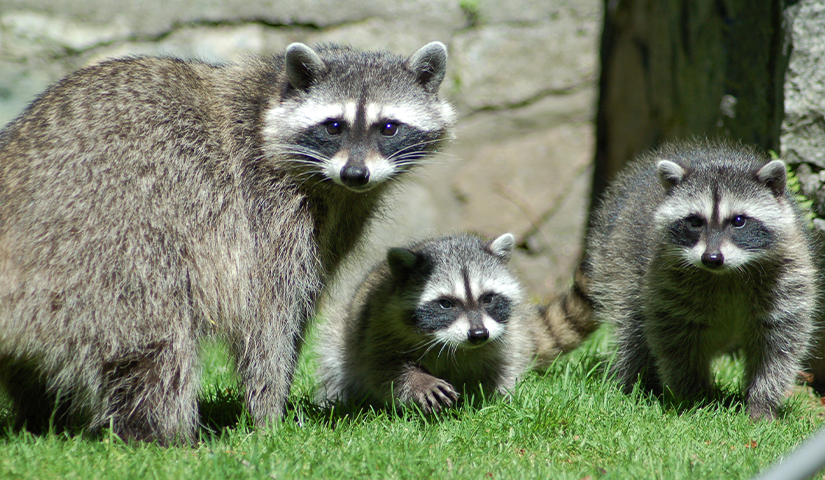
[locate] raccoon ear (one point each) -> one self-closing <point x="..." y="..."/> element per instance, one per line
<point x="503" y="246"/>
<point x="303" y="65"/>
<point x="401" y="261"/>
<point x="429" y="64"/>
<point x="774" y="175"/>
<point x="670" y="173"/>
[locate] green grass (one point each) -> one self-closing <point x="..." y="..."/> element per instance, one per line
<point x="569" y="423"/>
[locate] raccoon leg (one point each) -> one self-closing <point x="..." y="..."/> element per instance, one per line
<point x="151" y="395"/>
<point x="676" y="345"/>
<point x="682" y="362"/>
<point x="685" y="374"/>
<point x="266" y="356"/>
<point x="633" y="361"/>
<point x="266" y="372"/>
<point x="773" y="356"/>
<point x="267" y="338"/>
<point x="430" y="393"/>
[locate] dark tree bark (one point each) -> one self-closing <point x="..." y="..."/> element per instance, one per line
<point x="682" y="68"/>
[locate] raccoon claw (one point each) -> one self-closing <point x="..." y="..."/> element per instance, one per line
<point x="439" y="394"/>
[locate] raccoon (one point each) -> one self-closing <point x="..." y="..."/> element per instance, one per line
<point x="436" y="319"/>
<point x="147" y="202"/>
<point x="698" y="248"/>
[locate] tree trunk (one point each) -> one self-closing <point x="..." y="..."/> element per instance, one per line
<point x="683" y="68"/>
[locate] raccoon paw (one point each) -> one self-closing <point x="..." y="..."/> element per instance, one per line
<point x="760" y="411"/>
<point x="431" y="394"/>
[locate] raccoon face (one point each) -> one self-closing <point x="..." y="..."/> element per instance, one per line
<point x="467" y="294"/>
<point x="721" y="241"/>
<point x="467" y="320"/>
<point x="365" y="145"/>
<point x="722" y="226"/>
<point x="358" y="119"/>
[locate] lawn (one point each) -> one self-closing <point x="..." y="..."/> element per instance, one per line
<point x="568" y="423"/>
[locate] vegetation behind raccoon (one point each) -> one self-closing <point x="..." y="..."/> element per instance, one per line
<point x="146" y="202"/>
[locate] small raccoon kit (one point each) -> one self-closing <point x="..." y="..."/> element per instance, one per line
<point x="147" y="202"/>
<point x="437" y="319"/>
<point x="698" y="248"/>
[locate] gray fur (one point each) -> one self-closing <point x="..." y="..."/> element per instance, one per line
<point x="682" y="284"/>
<point x="302" y="65"/>
<point x="147" y="202"/>
<point x="669" y="173"/>
<point x="430" y="64"/>
<point x="386" y="348"/>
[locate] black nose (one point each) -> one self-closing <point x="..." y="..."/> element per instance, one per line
<point x="713" y="259"/>
<point x="355" y="175"/>
<point x="478" y="335"/>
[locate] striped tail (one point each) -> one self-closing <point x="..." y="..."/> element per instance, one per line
<point x="564" y="321"/>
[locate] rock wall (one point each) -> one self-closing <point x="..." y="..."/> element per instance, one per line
<point x="522" y="74"/>
<point x="803" y="128"/>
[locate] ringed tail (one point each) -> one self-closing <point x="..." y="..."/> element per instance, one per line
<point x="564" y="321"/>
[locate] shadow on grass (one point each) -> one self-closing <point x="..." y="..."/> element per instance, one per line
<point x="305" y="410"/>
<point x="729" y="400"/>
<point x="726" y="397"/>
<point x="648" y="390"/>
<point x="221" y="410"/>
<point x="46" y="419"/>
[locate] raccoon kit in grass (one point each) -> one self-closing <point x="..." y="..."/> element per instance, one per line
<point x="147" y="202"/>
<point x="439" y="318"/>
<point x="699" y="248"/>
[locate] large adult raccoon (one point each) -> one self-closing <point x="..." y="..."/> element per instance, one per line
<point x="145" y="202"/>
<point x="698" y="248"/>
<point x="439" y="318"/>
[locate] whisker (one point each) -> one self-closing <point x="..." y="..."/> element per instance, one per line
<point x="452" y="352"/>
<point x="417" y="158"/>
<point x="414" y="145"/>
<point x="443" y="346"/>
<point x="290" y="149"/>
<point x="419" y="345"/>
<point x="423" y="155"/>
<point x="430" y="345"/>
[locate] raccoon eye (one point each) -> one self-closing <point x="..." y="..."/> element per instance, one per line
<point x="695" y="222"/>
<point x="334" y="127"/>
<point x="738" y="221"/>
<point x="389" y="129"/>
<point x="445" y="303"/>
<point x="487" y="298"/>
